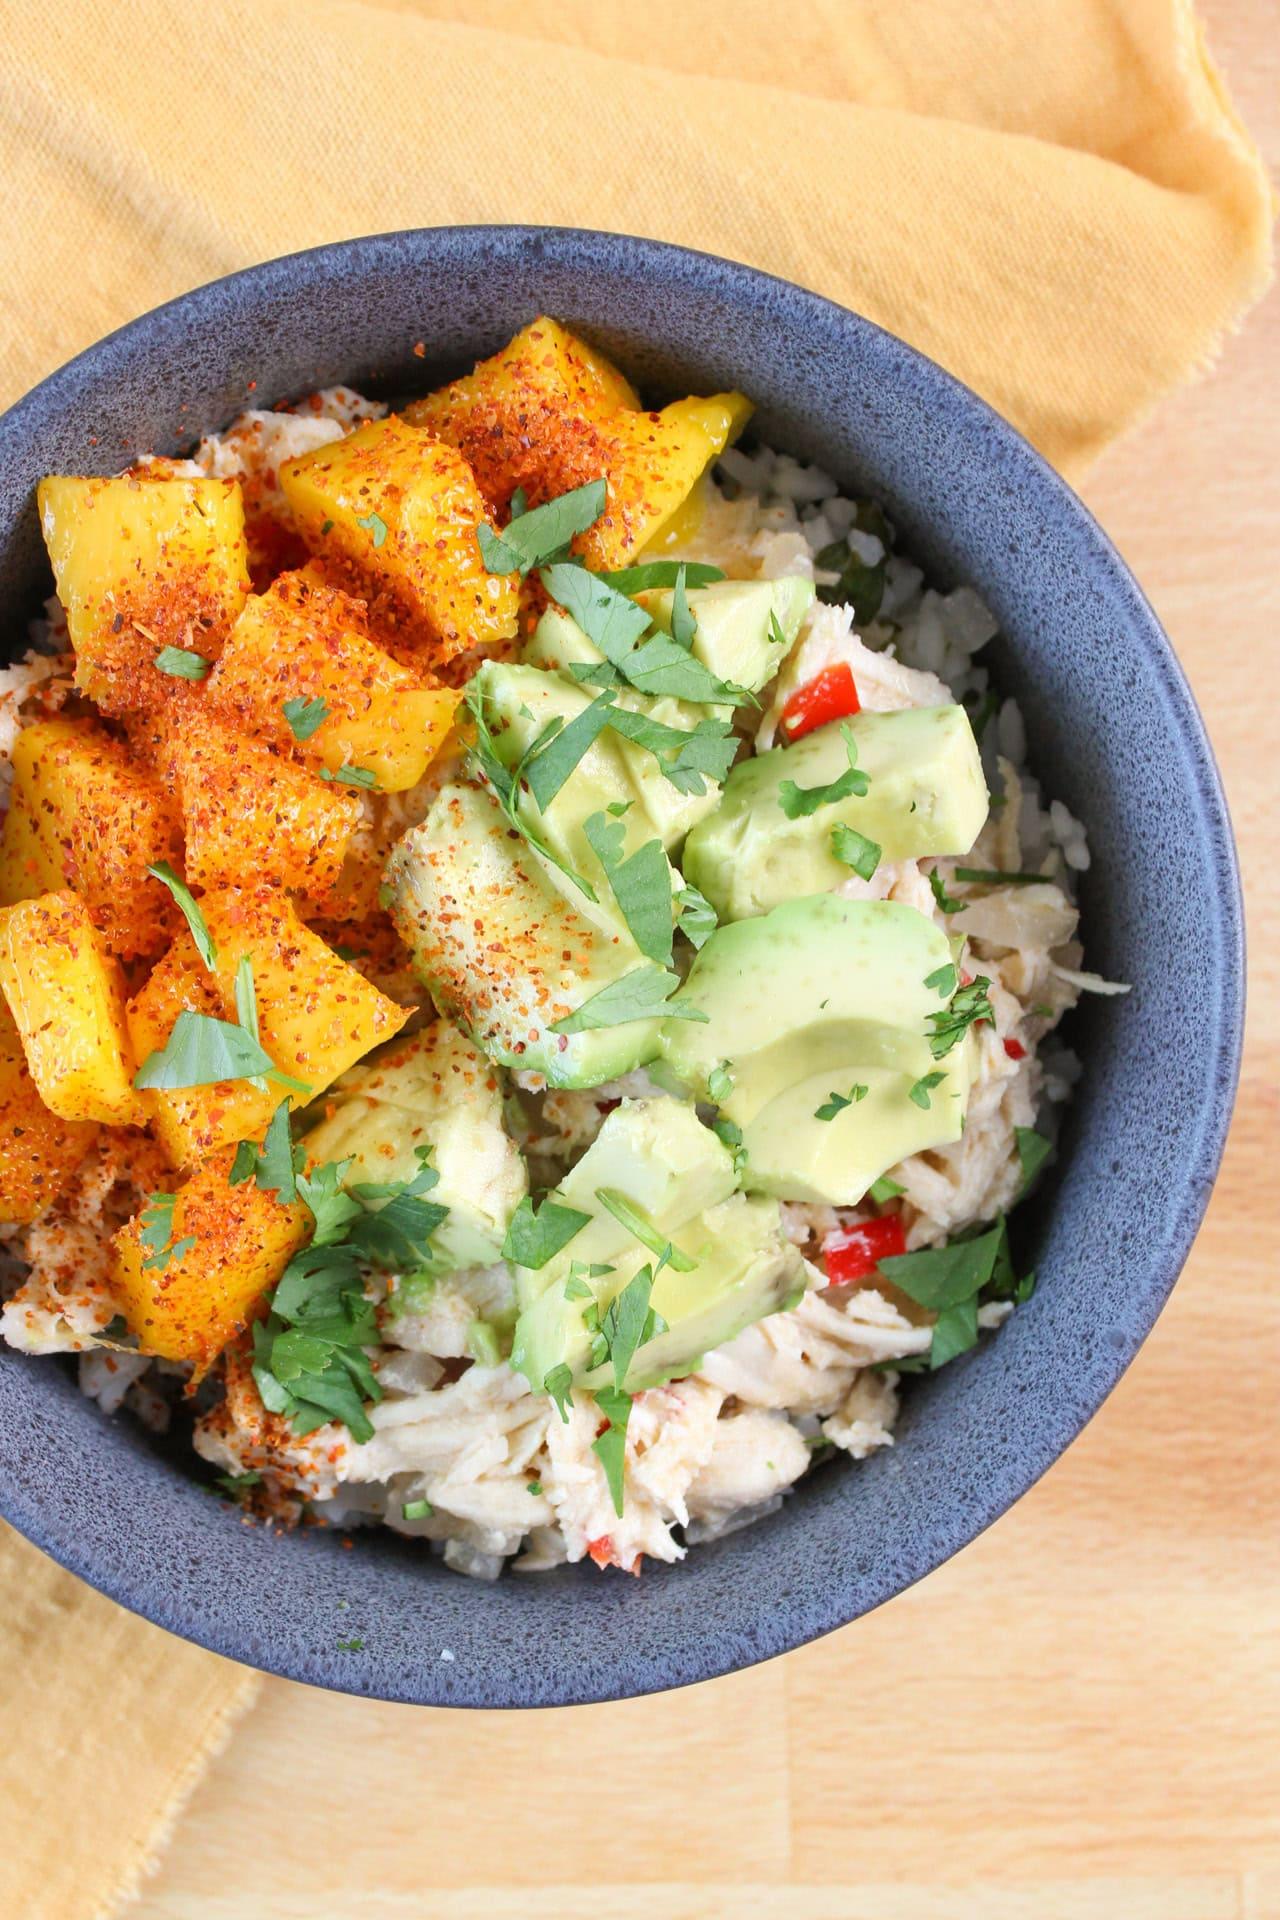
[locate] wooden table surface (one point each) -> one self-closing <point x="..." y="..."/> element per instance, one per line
<point x="1080" y="1714"/>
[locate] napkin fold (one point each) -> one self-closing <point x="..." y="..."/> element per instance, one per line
<point x="1054" y="198"/>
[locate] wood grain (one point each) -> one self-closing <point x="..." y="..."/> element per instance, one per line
<point x="1078" y="1716"/>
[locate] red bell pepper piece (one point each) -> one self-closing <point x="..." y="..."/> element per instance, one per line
<point x="1015" y="1049"/>
<point x="832" y="695"/>
<point x="854" y="1252"/>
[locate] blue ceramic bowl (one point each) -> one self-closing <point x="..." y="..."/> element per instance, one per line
<point x="1112" y="730"/>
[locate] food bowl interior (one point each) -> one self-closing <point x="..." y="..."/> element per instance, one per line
<point x="1111" y="731"/>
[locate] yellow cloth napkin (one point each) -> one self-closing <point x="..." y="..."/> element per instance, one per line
<point x="1052" y="197"/>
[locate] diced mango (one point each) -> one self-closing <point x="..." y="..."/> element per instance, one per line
<point x="228" y="1246"/>
<point x="84" y="814"/>
<point x="245" y="810"/>
<point x="547" y="415"/>
<point x="39" y="1152"/>
<point x="316" y="1015"/>
<point x="191" y="1122"/>
<point x="401" y="508"/>
<point x="66" y="994"/>
<point x="142" y="564"/>
<point x="544" y="376"/>
<point x="305" y="641"/>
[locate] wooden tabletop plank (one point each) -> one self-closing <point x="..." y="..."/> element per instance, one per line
<point x="1080" y="1714"/>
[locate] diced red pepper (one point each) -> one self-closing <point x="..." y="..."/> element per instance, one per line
<point x="854" y="1252"/>
<point x="601" y="1551"/>
<point x="1015" y="1049"/>
<point x="832" y="695"/>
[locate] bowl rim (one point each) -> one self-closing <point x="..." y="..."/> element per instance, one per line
<point x="134" y="1586"/>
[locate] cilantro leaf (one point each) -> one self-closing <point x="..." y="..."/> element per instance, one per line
<point x="684" y="628"/>
<point x="155" y="1232"/>
<point x="729" y="1134"/>
<point x="943" y="980"/>
<point x="776" y="635"/>
<point x="200" y="1051"/>
<point x="798" y="802"/>
<point x="304" y="716"/>
<point x="272" y="1164"/>
<point x="576" y="1288"/>
<point x="331" y="1206"/>
<point x="246" y="996"/>
<point x="641" y="885"/>
<point x="190" y="911"/>
<point x="883" y="1190"/>
<point x="662" y="666"/>
<point x="697" y="917"/>
<point x="350" y="776"/>
<point x="375" y="526"/>
<point x="309" y="1358"/>
<point x="559" y="747"/>
<point x="967" y="1006"/>
<point x="661" y="573"/>
<point x="643" y="994"/>
<point x="836" y="1102"/>
<point x="543" y="533"/>
<point x="938" y="888"/>
<point x="416" y="1510"/>
<point x="534" y="1237"/>
<point x="720" y="1083"/>
<point x="687" y="756"/>
<point x="609" y="619"/>
<point x="504" y="782"/>
<point x="920" y="1092"/>
<point x="641" y="1228"/>
<point x="954" y="1331"/>
<point x="611" y="1447"/>
<point x="628" y="1322"/>
<point x="1033" y="1151"/>
<point x="182" y="664"/>
<point x="991" y="877"/>
<point x="854" y="850"/>
<point x="559" y="1384"/>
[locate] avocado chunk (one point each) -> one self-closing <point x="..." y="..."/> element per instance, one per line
<point x="735" y="624"/>
<point x="557" y="643"/>
<point x="504" y="954"/>
<point x="742" y="1269"/>
<point x="659" y="1157"/>
<point x="806" y="1005"/>
<point x="520" y="703"/>
<point x="925" y="795"/>
<point x="433" y="1089"/>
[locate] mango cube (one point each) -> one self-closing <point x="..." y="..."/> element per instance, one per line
<point x="191" y="1122"/>
<point x="83" y="814"/>
<point x="39" y="1152"/>
<point x="226" y="1247"/>
<point x="549" y="414"/>
<point x="303" y="642"/>
<point x="401" y="508"/>
<point x="142" y="564"/>
<point x="247" y="810"/>
<point x="316" y="1015"/>
<point x="66" y="994"/>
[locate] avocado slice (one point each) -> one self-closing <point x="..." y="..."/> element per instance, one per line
<point x="433" y="1089"/>
<point x="658" y="1155"/>
<point x="502" y="952"/>
<point x="557" y="643"/>
<point x="735" y="618"/>
<point x="925" y="795"/>
<point x="744" y="1269"/>
<point x="805" y="1004"/>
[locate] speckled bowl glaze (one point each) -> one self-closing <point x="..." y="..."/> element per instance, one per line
<point x="1113" y="731"/>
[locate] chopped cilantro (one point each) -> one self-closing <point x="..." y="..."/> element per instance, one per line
<point x="353" y="1645"/>
<point x="687" y="757"/>
<point x="777" y="637"/>
<point x="720" y="1083"/>
<point x="641" y="885"/>
<point x="684" y="628"/>
<point x="991" y="877"/>
<point x="200" y="1051"/>
<point x="943" y="980"/>
<point x="1033" y="1151"/>
<point x="798" y="802"/>
<point x="182" y="664"/>
<point x="966" y="1008"/>
<point x="661" y="573"/>
<point x="350" y="776"/>
<point x="542" y="534"/>
<point x="697" y="917"/>
<point x="576" y="1288"/>
<point x="190" y="911"/>
<point x="375" y="526"/>
<point x="417" y="1510"/>
<point x="332" y="1207"/>
<point x="304" y="716"/>
<point x="534" y="1487"/>
<point x="559" y="1384"/>
<point x="611" y="1446"/>
<point x="155" y="1232"/>
<point x="883" y="1190"/>
<point x="236" y="1485"/>
<point x="854" y="850"/>
<point x="948" y="1280"/>
<point x="940" y="894"/>
<point x="642" y="994"/>
<point x="273" y="1165"/>
<point x="920" y="1092"/>
<point x="836" y="1102"/>
<point x="534" y="1237"/>
<point x="730" y="1136"/>
<point x="639" y="1225"/>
